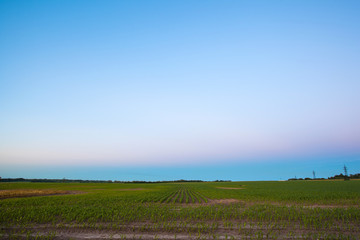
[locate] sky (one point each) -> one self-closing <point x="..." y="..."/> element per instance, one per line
<point x="165" y="90"/>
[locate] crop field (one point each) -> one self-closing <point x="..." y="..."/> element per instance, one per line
<point x="208" y="210"/>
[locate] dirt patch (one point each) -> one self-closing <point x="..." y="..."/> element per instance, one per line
<point x="145" y="230"/>
<point x="229" y="188"/>
<point x="17" y="193"/>
<point x="223" y="201"/>
<point x="328" y="206"/>
<point x="252" y="203"/>
<point x="144" y="236"/>
<point x="211" y="202"/>
<point x="310" y="206"/>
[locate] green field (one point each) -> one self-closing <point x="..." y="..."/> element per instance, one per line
<point x="211" y="210"/>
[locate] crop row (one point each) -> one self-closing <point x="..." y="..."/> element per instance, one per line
<point x="142" y="209"/>
<point x="183" y="195"/>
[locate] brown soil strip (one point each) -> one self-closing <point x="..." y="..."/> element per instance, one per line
<point x="135" y="231"/>
<point x="210" y="202"/>
<point x="252" y="203"/>
<point x="229" y="188"/>
<point x="248" y="203"/>
<point x="222" y="201"/>
<point x="20" y="193"/>
<point x="326" y="206"/>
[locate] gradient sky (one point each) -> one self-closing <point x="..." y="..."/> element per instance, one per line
<point x="179" y="86"/>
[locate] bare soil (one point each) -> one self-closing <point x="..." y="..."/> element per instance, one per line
<point x="136" y="231"/>
<point x="17" y="193"/>
<point x="222" y="201"/>
<point x="248" y="203"/>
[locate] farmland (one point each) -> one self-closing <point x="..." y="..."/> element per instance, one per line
<point x="209" y="210"/>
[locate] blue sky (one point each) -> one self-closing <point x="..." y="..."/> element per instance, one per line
<point x="177" y="86"/>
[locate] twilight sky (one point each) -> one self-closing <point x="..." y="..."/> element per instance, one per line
<point x="178" y="85"/>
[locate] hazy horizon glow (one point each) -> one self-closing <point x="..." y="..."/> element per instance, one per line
<point x="178" y="83"/>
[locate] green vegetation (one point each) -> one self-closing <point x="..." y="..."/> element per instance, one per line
<point x="216" y="210"/>
<point x="183" y="194"/>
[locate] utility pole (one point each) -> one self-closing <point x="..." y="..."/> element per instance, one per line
<point x="345" y="170"/>
<point x="346" y="173"/>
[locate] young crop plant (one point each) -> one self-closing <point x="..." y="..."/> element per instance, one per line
<point x="168" y="209"/>
<point x="183" y="194"/>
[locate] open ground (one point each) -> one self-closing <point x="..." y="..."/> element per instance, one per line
<point x="204" y="210"/>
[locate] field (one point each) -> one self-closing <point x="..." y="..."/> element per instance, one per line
<point x="211" y="210"/>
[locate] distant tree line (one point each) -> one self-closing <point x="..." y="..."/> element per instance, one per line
<point x="52" y="180"/>
<point x="307" y="178"/>
<point x="94" y="181"/>
<point x="339" y="176"/>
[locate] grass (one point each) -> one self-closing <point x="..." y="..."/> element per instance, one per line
<point x="258" y="210"/>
